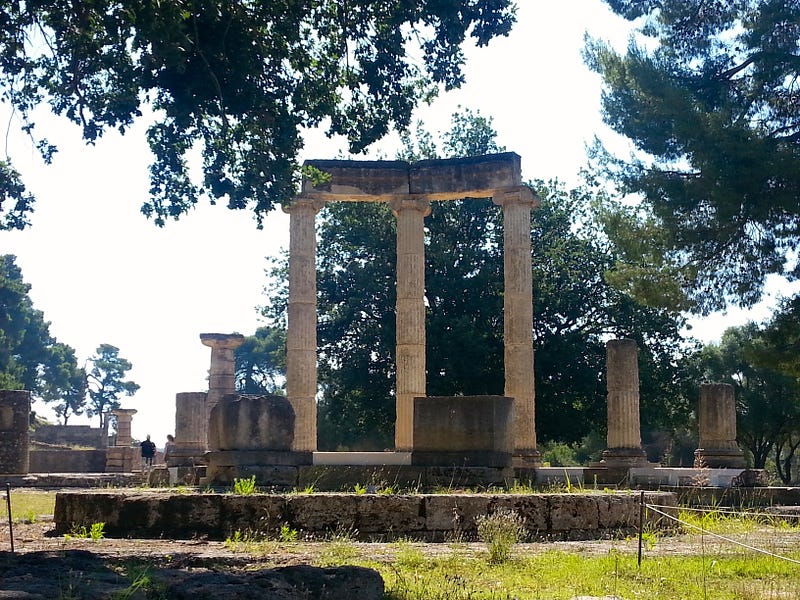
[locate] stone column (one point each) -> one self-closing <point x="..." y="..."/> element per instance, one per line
<point x="222" y="373"/>
<point x="122" y="457"/>
<point x="124" y="419"/>
<point x="518" y="317"/>
<point x="410" y="315"/>
<point x="624" y="436"/>
<point x="717" y="420"/>
<point x="301" y="332"/>
<point x="15" y="410"/>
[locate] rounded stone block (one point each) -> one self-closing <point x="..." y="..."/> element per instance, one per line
<point x="253" y="423"/>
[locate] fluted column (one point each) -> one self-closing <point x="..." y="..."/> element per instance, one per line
<point x="301" y="332"/>
<point x="410" y="316"/>
<point x="518" y="316"/>
<point x="624" y="438"/>
<point x="717" y="423"/>
<point x="222" y="373"/>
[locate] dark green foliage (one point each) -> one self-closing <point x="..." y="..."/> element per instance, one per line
<point x="261" y="362"/>
<point x="712" y="106"/>
<point x="237" y="80"/>
<point x="30" y="358"/>
<point x="105" y="381"/>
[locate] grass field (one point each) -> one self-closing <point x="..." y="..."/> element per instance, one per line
<point x="689" y="566"/>
<point x="27" y="505"/>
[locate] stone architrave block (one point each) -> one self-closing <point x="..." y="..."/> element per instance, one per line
<point x="260" y="513"/>
<point x="359" y="177"/>
<point x="573" y="512"/>
<point x="388" y="515"/>
<point x="465" y="174"/>
<point x="451" y="512"/>
<point x="532" y="509"/>
<point x="322" y="512"/>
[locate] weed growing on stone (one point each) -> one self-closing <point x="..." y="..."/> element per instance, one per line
<point x="244" y="487"/>
<point x="287" y="534"/>
<point x="360" y="489"/>
<point x="500" y="531"/>
<point x="95" y="532"/>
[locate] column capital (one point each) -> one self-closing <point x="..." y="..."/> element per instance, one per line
<point x="521" y="194"/>
<point x="222" y="340"/>
<point x="411" y="203"/>
<point x="303" y="204"/>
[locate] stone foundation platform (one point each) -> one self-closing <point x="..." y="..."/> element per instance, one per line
<point x="369" y="517"/>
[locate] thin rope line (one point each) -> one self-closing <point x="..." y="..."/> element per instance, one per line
<point x="722" y="537"/>
<point x="727" y="511"/>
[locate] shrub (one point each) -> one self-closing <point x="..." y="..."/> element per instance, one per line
<point x="500" y="531"/>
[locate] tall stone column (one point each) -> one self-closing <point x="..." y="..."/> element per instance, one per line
<point x="717" y="421"/>
<point x="301" y="333"/>
<point x="122" y="457"/>
<point x="410" y="316"/>
<point x="124" y="420"/>
<point x="624" y="435"/>
<point x="518" y="317"/>
<point x="222" y="373"/>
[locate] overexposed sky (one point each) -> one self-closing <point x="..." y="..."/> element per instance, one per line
<point x="102" y="273"/>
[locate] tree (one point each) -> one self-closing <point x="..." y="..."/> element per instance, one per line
<point x="30" y="358"/>
<point x="575" y="310"/>
<point x="768" y="402"/>
<point x="65" y="382"/>
<point x="105" y="381"/>
<point x="236" y="80"/>
<point x="261" y="362"/>
<point x="708" y="96"/>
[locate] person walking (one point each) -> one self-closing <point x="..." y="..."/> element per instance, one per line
<point x="148" y="452"/>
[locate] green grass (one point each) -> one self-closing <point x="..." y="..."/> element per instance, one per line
<point x="25" y="505"/>
<point x="559" y="575"/>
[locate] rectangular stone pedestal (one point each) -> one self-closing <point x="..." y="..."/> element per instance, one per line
<point x="123" y="459"/>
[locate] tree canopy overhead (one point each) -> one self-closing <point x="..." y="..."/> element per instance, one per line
<point x="709" y="95"/>
<point x="237" y="79"/>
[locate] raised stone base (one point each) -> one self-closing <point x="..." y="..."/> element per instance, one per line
<point x="270" y="468"/>
<point x="186" y="457"/>
<point x="716" y="458"/>
<point x="123" y="459"/>
<point x="527" y="459"/>
<point x="461" y="459"/>
<point x="434" y="517"/>
<point x="623" y="457"/>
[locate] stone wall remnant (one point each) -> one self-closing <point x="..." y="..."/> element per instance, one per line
<point x="15" y="410"/>
<point x="191" y="429"/>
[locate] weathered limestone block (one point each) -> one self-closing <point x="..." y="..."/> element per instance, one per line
<point x="15" y="409"/>
<point x="573" y="512"/>
<point x="454" y="512"/>
<point x="463" y="431"/>
<point x="253" y="423"/>
<point x="222" y="372"/>
<point x="124" y="418"/>
<point x="533" y="510"/>
<point x="265" y="514"/>
<point x="386" y="515"/>
<point x="464" y="175"/>
<point x="123" y="459"/>
<point x="323" y="512"/>
<point x="614" y="512"/>
<point x="191" y="429"/>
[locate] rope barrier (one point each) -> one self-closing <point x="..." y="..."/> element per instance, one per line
<point x="727" y="511"/>
<point x="722" y="537"/>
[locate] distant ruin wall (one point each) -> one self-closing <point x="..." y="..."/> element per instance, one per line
<point x="15" y="408"/>
<point x="67" y="461"/>
<point x="69" y="435"/>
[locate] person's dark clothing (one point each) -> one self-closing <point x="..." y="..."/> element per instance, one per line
<point x="148" y="451"/>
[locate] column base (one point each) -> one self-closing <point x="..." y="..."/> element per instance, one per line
<point x="527" y="458"/>
<point x="719" y="458"/>
<point x="186" y="457"/>
<point x="623" y="457"/>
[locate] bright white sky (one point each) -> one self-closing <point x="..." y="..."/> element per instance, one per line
<point x="102" y="273"/>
